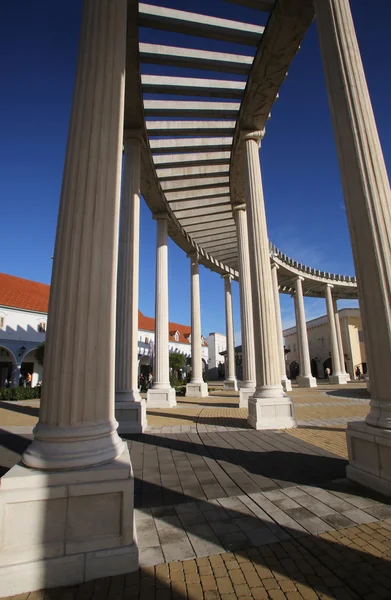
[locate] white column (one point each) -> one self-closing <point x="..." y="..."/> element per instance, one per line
<point x="337" y="374"/>
<point x="285" y="382"/>
<point x="339" y="339"/>
<point x="305" y="378"/>
<point x="230" y="381"/>
<point x="77" y="427"/>
<point x="247" y="385"/>
<point x="197" y="387"/>
<point x="77" y="477"/>
<point x="130" y="408"/>
<point x="368" y="207"/>
<point x="269" y="408"/>
<point x="161" y="394"/>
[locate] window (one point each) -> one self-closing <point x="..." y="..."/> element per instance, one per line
<point x="146" y="340"/>
<point x="2" y="322"/>
<point x="42" y="326"/>
<point x="360" y="337"/>
<point x="176" y="336"/>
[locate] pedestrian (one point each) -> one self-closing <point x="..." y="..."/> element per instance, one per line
<point x="327" y="371"/>
<point x="29" y="379"/>
<point x="150" y="380"/>
<point x="358" y="372"/>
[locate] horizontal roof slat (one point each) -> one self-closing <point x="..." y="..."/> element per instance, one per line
<point x="191" y="172"/>
<point x="228" y="225"/>
<point x="181" y="128"/>
<point x="197" y="158"/>
<point x="193" y="108"/>
<point x="162" y="146"/>
<point x="198" y="194"/>
<point x="196" y="185"/>
<point x="192" y="86"/>
<point x="179" y="21"/>
<point x="182" y="205"/>
<point x="265" y="5"/>
<point x="195" y="58"/>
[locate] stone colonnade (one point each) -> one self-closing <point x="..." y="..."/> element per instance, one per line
<point x="76" y="477"/>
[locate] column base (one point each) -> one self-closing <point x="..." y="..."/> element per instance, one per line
<point x="369" y="450"/>
<point x="244" y="394"/>
<point x="271" y="413"/>
<point x="286" y="385"/>
<point x="65" y="528"/>
<point x="161" y="398"/>
<point x="231" y="385"/>
<point x="198" y="390"/>
<point x="337" y="379"/>
<point x="306" y="382"/>
<point x="131" y="416"/>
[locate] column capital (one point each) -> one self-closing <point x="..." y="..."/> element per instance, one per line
<point x="137" y="134"/>
<point x="329" y="285"/>
<point x="194" y="255"/>
<point x="237" y="207"/>
<point x="252" y="135"/>
<point x="300" y="278"/>
<point x="274" y="265"/>
<point x="160" y="216"/>
<point x="227" y="276"/>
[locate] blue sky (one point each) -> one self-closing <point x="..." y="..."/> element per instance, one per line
<point x="304" y="202"/>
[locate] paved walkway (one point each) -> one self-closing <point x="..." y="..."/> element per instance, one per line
<point x="226" y="512"/>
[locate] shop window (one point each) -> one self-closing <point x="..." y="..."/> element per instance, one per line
<point x="42" y="327"/>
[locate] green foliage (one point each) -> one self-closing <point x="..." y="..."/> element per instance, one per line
<point x="40" y="352"/>
<point x="177" y="360"/>
<point x="20" y="393"/>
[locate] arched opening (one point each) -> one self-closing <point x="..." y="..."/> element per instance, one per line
<point x="144" y="365"/>
<point x="7" y="362"/>
<point x="327" y="364"/>
<point x="314" y="368"/>
<point x="31" y="371"/>
<point x="294" y="369"/>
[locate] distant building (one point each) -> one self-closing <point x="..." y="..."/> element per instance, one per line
<point x="23" y="323"/>
<point x="319" y="344"/>
<point x="217" y="343"/>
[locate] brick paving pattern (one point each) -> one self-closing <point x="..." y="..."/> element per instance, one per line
<point x="225" y="512"/>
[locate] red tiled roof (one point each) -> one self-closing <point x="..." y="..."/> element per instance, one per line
<point x="22" y="293"/>
<point x="30" y="295"/>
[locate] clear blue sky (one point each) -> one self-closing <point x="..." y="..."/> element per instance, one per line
<point x="304" y="203"/>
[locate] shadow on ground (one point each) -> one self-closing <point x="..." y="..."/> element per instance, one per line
<point x="33" y="411"/>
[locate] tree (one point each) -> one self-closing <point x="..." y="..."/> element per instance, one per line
<point x="177" y="360"/>
<point x="40" y="353"/>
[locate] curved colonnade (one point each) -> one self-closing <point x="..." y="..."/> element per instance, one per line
<point x="197" y="164"/>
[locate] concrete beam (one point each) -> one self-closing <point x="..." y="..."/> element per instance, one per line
<point x="228" y="244"/>
<point x="194" y="184"/>
<point x="189" y="86"/>
<point x="190" y="127"/>
<point x="163" y="145"/>
<point x="207" y="237"/>
<point x="179" y="21"/>
<point x="199" y="158"/>
<point x="202" y="219"/>
<point x="195" y="194"/>
<point x="190" y="171"/>
<point x="193" y="108"/>
<point x="183" y="205"/>
<point x="195" y="58"/>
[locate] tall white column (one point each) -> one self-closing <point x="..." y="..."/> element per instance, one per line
<point x="339" y="339"/>
<point x="161" y="394"/>
<point x="230" y="381"/>
<point x="305" y="378"/>
<point x="337" y="375"/>
<point x="77" y="477"/>
<point x="269" y="408"/>
<point x="368" y="207"/>
<point x="196" y="387"/>
<point x="247" y="385"/>
<point x="130" y="409"/>
<point x="285" y="382"/>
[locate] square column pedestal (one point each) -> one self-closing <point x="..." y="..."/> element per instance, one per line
<point x="306" y="382"/>
<point x="131" y="416"/>
<point x="198" y="390"/>
<point x="62" y="528"/>
<point x="369" y="450"/>
<point x="231" y="385"/>
<point x="164" y="398"/>
<point x="244" y="395"/>
<point x="337" y="379"/>
<point x="271" y="413"/>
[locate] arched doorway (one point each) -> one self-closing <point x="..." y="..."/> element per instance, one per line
<point x="328" y="365"/>
<point x="144" y="365"/>
<point x="7" y="363"/>
<point x="314" y="368"/>
<point x="31" y="366"/>
<point x="294" y="369"/>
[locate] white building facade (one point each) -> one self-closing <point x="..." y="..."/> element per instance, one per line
<point x="217" y="343"/>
